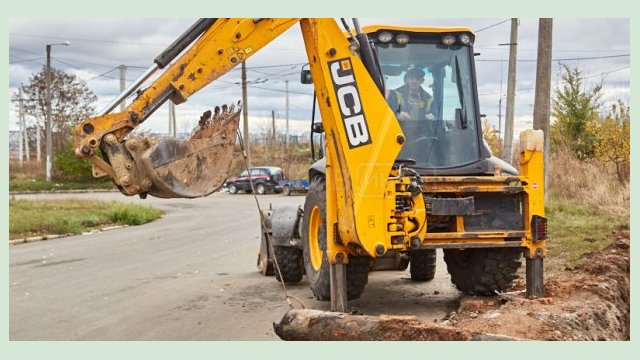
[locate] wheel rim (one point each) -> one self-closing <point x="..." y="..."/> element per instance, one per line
<point x="315" y="253"/>
<point x="232" y="189"/>
<point x="260" y="189"/>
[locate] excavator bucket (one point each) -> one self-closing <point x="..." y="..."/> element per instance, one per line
<point x="176" y="168"/>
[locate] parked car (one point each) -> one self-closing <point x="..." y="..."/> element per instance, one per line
<point x="265" y="179"/>
<point x="291" y="186"/>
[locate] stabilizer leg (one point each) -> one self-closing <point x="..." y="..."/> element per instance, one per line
<point x="535" y="277"/>
<point x="338" y="273"/>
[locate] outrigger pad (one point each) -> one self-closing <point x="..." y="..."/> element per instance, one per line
<point x="196" y="167"/>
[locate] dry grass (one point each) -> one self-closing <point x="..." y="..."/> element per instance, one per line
<point x="590" y="183"/>
<point x="294" y="161"/>
<point x="587" y="206"/>
<point x="29" y="170"/>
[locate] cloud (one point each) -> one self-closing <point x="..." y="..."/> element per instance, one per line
<point x="99" y="46"/>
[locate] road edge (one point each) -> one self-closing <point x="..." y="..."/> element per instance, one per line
<point x="57" y="236"/>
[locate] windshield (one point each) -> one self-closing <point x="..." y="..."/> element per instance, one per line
<point x="429" y="88"/>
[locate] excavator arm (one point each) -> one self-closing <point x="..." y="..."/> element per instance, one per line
<point x="363" y="136"/>
<point x="178" y="168"/>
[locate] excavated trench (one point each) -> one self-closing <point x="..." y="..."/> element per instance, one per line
<point x="591" y="302"/>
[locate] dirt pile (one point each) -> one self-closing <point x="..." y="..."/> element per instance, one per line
<point x="590" y="302"/>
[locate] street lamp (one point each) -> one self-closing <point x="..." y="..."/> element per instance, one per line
<point x="48" y="112"/>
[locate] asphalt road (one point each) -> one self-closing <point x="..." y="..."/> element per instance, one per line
<point x="188" y="276"/>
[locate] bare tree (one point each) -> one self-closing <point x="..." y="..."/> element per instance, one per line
<point x="71" y="102"/>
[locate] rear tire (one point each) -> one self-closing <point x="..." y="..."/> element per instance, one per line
<point x="289" y="260"/>
<point x="422" y="265"/>
<point x="314" y="249"/>
<point x="261" y="189"/>
<point x="483" y="271"/>
<point x="286" y="190"/>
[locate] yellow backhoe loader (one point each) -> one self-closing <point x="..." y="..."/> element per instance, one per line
<point x="394" y="182"/>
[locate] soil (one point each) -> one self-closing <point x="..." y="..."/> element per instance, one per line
<point x="590" y="302"/>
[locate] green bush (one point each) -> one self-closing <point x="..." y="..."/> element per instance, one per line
<point x="128" y="215"/>
<point x="70" y="167"/>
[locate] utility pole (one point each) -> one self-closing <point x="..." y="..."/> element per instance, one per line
<point x="21" y="126"/>
<point x="38" y="145"/>
<point x="25" y="136"/>
<point x="500" y="116"/>
<point x="172" y="119"/>
<point x="500" y="133"/>
<point x="245" y="115"/>
<point x="511" y="91"/>
<point x="273" y="126"/>
<point x="48" y="119"/>
<point x="541" y="113"/>
<point x="123" y="85"/>
<point x="286" y="136"/>
<point x="542" y="102"/>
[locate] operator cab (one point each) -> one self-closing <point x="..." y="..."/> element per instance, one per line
<point x="445" y="137"/>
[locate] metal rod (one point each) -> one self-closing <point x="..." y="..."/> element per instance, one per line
<point x="356" y="25"/>
<point x="128" y="91"/>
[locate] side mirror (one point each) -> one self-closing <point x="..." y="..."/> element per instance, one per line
<point x="317" y="128"/>
<point x="305" y="77"/>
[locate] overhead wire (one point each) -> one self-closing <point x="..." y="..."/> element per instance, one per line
<point x="560" y="59"/>
<point x="491" y="26"/>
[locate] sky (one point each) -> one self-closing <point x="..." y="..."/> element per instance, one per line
<point x="599" y="47"/>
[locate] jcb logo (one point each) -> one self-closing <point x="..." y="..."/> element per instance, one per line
<point x="355" y="124"/>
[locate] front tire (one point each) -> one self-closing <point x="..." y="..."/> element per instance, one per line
<point x="261" y="189"/>
<point x="483" y="271"/>
<point x="314" y="248"/>
<point x="286" y="190"/>
<point x="233" y="189"/>
<point x="422" y="265"/>
<point x="289" y="259"/>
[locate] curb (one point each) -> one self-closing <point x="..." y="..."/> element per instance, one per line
<point x="62" y="191"/>
<point x="56" y="236"/>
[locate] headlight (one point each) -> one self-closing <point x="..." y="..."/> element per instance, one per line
<point x="402" y="39"/>
<point x="448" y="40"/>
<point x="465" y="39"/>
<point x="385" y="37"/>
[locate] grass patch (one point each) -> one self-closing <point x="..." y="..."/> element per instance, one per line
<point x="576" y="229"/>
<point x="41" y="218"/>
<point x="40" y="185"/>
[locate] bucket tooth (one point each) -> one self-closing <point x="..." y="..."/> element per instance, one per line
<point x="191" y="168"/>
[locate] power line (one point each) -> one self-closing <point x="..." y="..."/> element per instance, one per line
<point x="490" y="26"/>
<point x="584" y="77"/>
<point x="273" y="66"/>
<point x="290" y="91"/>
<point x="25" y="60"/>
<point x="561" y="59"/>
<point x="118" y="42"/>
<point x="554" y="50"/>
<point x="291" y="65"/>
<point x="101" y="65"/>
<point x="103" y="75"/>
<point x="84" y="39"/>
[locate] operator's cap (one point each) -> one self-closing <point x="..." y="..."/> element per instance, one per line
<point x="416" y="73"/>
